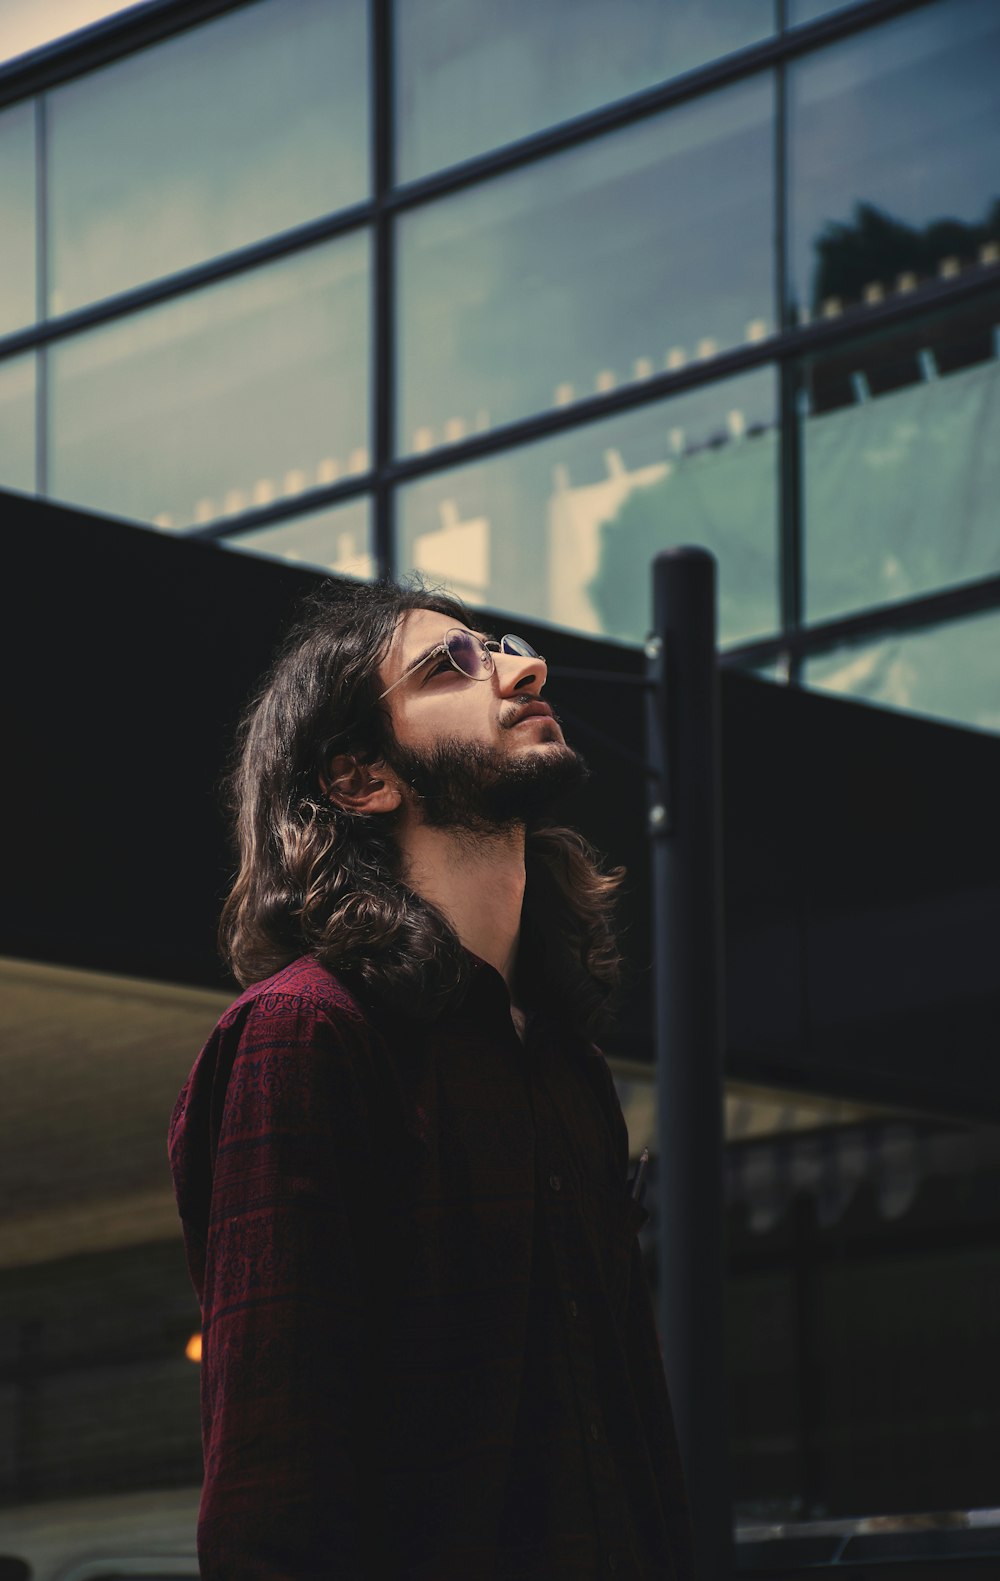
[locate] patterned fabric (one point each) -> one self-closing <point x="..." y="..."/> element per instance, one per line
<point x="429" y="1351"/>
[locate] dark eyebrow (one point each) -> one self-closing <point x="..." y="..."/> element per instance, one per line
<point x="414" y="664"/>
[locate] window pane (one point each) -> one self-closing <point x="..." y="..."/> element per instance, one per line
<point x="901" y="480"/>
<point x="565" y="530"/>
<point x="17" y="206"/>
<point x="837" y="1402"/>
<point x="339" y="540"/>
<point x="229" y="398"/>
<point x="952" y="672"/>
<point x="895" y="139"/>
<point x="600" y="266"/>
<point x="472" y="75"/>
<point x="28" y="25"/>
<point x="797" y="11"/>
<point x="225" y="134"/>
<point x="858" y="1264"/>
<point x="17" y="423"/>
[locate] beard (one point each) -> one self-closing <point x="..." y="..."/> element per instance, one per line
<point x="475" y="788"/>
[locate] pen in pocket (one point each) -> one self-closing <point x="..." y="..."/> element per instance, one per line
<point x="638" y="1183"/>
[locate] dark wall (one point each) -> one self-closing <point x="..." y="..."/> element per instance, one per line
<point x="863" y="899"/>
<point x="132" y="655"/>
<point x="862" y="866"/>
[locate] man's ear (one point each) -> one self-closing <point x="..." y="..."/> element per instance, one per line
<point x="356" y="787"/>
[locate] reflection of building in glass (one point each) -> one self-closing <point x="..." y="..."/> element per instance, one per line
<point x="459" y="553"/>
<point x="335" y="540"/>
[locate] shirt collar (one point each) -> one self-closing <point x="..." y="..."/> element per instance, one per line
<point x="488" y="991"/>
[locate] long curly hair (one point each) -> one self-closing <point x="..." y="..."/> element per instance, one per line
<point x="316" y="879"/>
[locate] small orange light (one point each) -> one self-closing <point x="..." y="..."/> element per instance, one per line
<point x="193" y="1348"/>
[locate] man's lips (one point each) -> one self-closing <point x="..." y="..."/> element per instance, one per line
<point x="531" y="711"/>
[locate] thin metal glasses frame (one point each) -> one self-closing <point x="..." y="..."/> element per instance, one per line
<point x="489" y="647"/>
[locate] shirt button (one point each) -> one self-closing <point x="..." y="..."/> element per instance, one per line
<point x="555" y="1181"/>
<point x="573" y="1309"/>
<point x="595" y="1431"/>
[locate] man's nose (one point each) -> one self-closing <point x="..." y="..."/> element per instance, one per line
<point x="516" y="673"/>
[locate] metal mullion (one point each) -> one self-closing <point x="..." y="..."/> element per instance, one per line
<point x="185" y="281"/>
<point x="855" y="322"/>
<point x="780" y="186"/>
<point x="793" y="344"/>
<point x="923" y="612"/>
<point x="790" y="514"/>
<point x="789" y="447"/>
<point x="41" y="423"/>
<point x="772" y="53"/>
<point x="285" y="510"/>
<point x="699" y="82"/>
<point x="790" y="345"/>
<point x="121" y="36"/>
<point x="787" y="346"/>
<point x="561" y="419"/>
<point x="383" y="364"/>
<point x="41" y="296"/>
<point x="103" y="43"/>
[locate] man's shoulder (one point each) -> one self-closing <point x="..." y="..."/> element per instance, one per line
<point x="304" y="986"/>
<point x="280" y="1049"/>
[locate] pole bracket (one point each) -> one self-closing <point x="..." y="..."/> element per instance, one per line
<point x="660" y="807"/>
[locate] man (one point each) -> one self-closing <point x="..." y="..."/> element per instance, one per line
<point x="428" y="1347"/>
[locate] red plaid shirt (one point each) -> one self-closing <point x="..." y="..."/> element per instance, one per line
<point x="429" y="1351"/>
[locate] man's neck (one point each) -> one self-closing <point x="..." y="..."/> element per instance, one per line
<point x="477" y="881"/>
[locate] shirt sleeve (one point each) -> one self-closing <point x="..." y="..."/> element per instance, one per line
<point x="287" y="1305"/>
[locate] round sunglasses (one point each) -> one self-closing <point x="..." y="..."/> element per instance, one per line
<point x="470" y="655"/>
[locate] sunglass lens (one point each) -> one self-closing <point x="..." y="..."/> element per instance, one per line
<point x="518" y="646"/>
<point x="468" y="654"/>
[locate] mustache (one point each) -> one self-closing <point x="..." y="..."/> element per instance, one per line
<point x="522" y="709"/>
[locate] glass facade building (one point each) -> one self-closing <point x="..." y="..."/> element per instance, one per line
<point x="519" y="295"/>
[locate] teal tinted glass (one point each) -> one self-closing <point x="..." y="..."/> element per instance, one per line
<point x="338" y="539"/>
<point x="901" y="485"/>
<point x="895" y="153"/>
<point x="225" y="134"/>
<point x="18" y="290"/>
<point x="472" y="75"/>
<point x="951" y="672"/>
<point x="17" y="423"/>
<point x="797" y="11"/>
<point x="645" y="250"/>
<point x="565" y="530"/>
<point x="236" y="396"/>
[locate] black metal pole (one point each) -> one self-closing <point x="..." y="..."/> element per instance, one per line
<point x="685" y="835"/>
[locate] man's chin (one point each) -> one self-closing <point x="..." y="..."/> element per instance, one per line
<point x="480" y="789"/>
<point x="535" y="783"/>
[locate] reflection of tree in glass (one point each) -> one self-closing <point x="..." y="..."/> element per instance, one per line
<point x="721" y="497"/>
<point x="628" y="543"/>
<point x="874" y="248"/>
